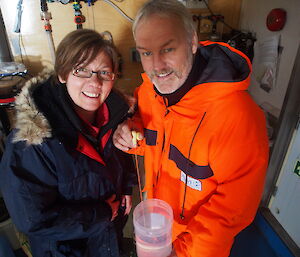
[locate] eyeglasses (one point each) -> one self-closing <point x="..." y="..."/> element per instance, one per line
<point x="85" y="73"/>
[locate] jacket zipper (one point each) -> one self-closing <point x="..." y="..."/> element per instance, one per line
<point x="162" y="148"/>
<point x="186" y="176"/>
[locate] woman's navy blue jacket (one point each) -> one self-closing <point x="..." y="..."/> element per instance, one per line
<point x="55" y="194"/>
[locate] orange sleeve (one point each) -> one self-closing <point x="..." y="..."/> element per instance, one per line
<point x="136" y="123"/>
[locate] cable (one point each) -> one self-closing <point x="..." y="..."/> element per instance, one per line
<point x="93" y="17"/>
<point x="207" y="6"/>
<point x="88" y="17"/>
<point x="108" y="35"/>
<point x="119" y="10"/>
<point x="21" y="42"/>
<point x="212" y="13"/>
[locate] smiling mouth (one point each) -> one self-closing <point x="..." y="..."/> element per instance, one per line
<point x="165" y="74"/>
<point x="92" y="95"/>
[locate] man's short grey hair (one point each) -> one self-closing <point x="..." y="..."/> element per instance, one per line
<point x="166" y="8"/>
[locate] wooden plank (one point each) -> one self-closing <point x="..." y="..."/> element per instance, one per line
<point x="101" y="16"/>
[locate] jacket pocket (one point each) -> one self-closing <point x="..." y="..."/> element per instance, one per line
<point x="151" y="136"/>
<point x="187" y="166"/>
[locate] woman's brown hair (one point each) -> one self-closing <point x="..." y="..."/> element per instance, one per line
<point x="81" y="47"/>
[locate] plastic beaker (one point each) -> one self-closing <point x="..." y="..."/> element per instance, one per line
<point x="152" y="220"/>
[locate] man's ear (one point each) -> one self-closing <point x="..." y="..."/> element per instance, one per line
<point x="61" y="80"/>
<point x="194" y="43"/>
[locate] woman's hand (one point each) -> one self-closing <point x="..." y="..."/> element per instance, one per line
<point x="114" y="205"/>
<point x="126" y="202"/>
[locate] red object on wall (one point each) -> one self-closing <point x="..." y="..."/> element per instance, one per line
<point x="276" y="19"/>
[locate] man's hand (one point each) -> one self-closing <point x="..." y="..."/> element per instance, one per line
<point x="124" y="138"/>
<point x="126" y="202"/>
<point x="114" y="205"/>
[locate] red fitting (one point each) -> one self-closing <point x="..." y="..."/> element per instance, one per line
<point x="79" y="19"/>
<point x="48" y="27"/>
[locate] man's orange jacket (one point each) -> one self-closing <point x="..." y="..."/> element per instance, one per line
<point x="206" y="155"/>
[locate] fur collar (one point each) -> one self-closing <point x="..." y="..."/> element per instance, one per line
<point x="31" y="125"/>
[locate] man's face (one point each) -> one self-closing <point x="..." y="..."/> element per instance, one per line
<point x="166" y="53"/>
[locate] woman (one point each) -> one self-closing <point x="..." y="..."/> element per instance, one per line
<point x="64" y="183"/>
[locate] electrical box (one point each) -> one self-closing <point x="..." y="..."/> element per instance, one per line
<point x="194" y="4"/>
<point x="284" y="205"/>
<point x="297" y="168"/>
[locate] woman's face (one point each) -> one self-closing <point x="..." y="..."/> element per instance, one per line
<point x="88" y="94"/>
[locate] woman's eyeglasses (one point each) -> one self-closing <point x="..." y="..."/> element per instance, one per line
<point x="85" y="73"/>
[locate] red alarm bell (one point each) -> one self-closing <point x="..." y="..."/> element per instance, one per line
<point x="276" y="19"/>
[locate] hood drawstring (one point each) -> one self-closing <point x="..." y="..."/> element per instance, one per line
<point x="186" y="176"/>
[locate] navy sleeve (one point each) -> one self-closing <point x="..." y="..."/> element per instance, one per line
<point x="30" y="190"/>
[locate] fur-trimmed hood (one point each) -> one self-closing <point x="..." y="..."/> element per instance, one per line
<point x="31" y="124"/>
<point x="45" y="109"/>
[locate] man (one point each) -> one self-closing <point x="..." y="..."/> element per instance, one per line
<point x="205" y="143"/>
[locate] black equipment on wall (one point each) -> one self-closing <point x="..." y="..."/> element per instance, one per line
<point x="243" y="41"/>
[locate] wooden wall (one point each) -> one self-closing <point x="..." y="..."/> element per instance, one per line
<point x="32" y="41"/>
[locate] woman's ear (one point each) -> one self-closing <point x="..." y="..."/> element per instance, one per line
<point x="61" y="80"/>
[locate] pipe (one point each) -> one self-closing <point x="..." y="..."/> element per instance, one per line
<point x="5" y="51"/>
<point x="118" y="10"/>
<point x="51" y="45"/>
<point x="46" y="17"/>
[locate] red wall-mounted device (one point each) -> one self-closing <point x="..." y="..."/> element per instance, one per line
<point x="276" y="19"/>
